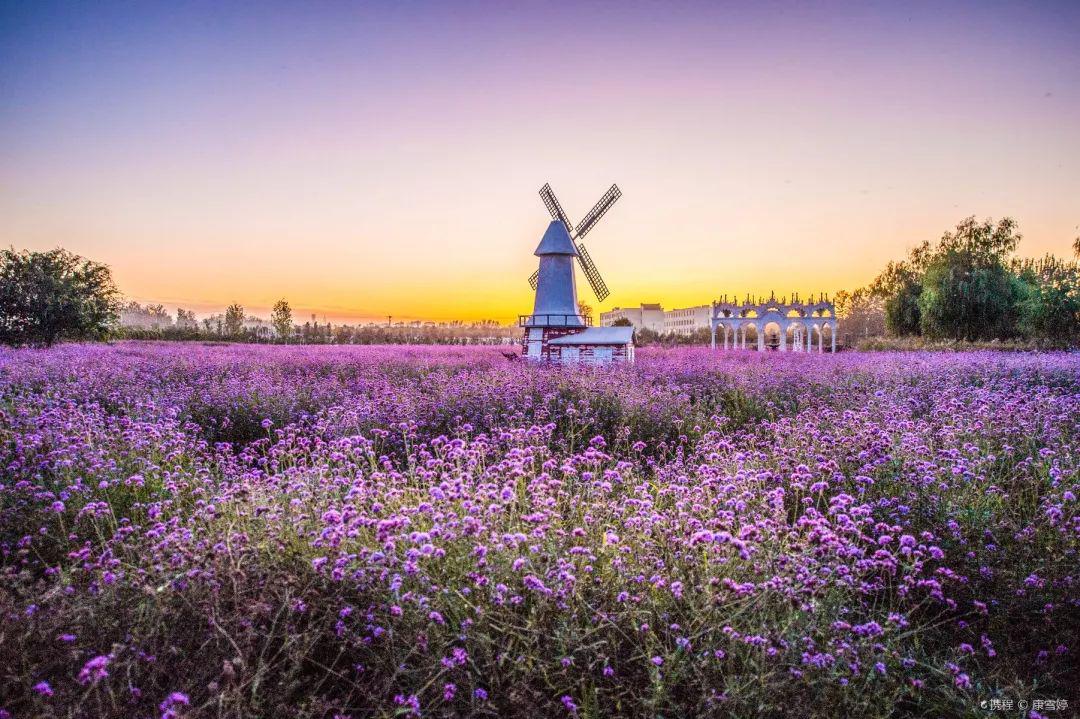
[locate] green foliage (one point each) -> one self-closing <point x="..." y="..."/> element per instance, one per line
<point x="234" y="320"/>
<point x="281" y="319"/>
<point x="966" y="288"/>
<point x="50" y="296"/>
<point x="922" y="344"/>
<point x="967" y="291"/>
<point x="646" y="336"/>
<point x="899" y="286"/>
<point x="622" y="322"/>
<point x="903" y="315"/>
<point x="962" y="301"/>
<point x="1050" y="306"/>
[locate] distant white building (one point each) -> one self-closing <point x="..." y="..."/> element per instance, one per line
<point x="687" y="320"/>
<point x="647" y="316"/>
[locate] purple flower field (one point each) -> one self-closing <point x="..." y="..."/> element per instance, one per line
<point x="224" y="531"/>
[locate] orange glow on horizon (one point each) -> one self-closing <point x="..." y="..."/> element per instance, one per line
<point x="378" y="161"/>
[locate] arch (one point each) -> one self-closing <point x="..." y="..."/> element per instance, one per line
<point x="831" y="325"/>
<point x="800" y="333"/>
<point x="773" y="335"/>
<point x="745" y="328"/>
<point x="774" y="323"/>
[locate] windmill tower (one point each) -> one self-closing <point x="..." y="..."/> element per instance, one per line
<point x="556" y="331"/>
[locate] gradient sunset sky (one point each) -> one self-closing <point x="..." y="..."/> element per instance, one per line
<point x="366" y="159"/>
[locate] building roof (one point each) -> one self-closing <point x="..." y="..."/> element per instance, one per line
<point x="597" y="336"/>
<point x="556" y="241"/>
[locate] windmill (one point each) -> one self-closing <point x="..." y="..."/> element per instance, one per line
<point x="592" y="274"/>
<point x="556" y="331"/>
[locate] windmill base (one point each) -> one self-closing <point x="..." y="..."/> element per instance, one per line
<point x="574" y="345"/>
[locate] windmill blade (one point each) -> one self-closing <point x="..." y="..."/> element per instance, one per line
<point x="534" y="279"/>
<point x="553" y="206"/>
<point x="599" y="287"/>
<point x="597" y="211"/>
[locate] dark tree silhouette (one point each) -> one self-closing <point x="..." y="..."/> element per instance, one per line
<point x="50" y="296"/>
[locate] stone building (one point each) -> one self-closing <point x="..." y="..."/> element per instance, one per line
<point x="772" y="321"/>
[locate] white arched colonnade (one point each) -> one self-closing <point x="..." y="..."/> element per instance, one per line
<point x="807" y="320"/>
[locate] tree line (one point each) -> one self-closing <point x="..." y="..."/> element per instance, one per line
<point x="54" y="296"/>
<point x="970" y="286"/>
<point x="234" y="325"/>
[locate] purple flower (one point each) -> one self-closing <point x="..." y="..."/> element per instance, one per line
<point x="463" y="488"/>
<point x="44" y="689"/>
<point x="168" y="706"/>
<point x="410" y="704"/>
<point x="94" y="670"/>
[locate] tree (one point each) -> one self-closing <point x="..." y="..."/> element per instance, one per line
<point x="50" y="296"/>
<point x="1076" y="247"/>
<point x="899" y="287"/>
<point x="584" y="310"/>
<point x="1050" y="306"/>
<point x="962" y="302"/>
<point x="959" y="288"/>
<point x="234" y="320"/>
<point x="967" y="291"/>
<point x="646" y="336"/>
<point x="343" y="335"/>
<point x="622" y="322"/>
<point x="842" y="302"/>
<point x="185" y="319"/>
<point x="281" y="319"/>
<point x="861" y="313"/>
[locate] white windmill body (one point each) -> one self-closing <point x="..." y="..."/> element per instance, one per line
<point x="556" y="331"/>
<point x="556" y="303"/>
